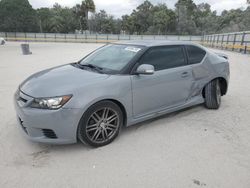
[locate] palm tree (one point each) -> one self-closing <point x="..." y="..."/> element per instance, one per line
<point x="79" y="14"/>
<point x="82" y="11"/>
<point x="88" y="6"/>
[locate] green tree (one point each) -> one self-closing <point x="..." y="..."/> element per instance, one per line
<point x="101" y="22"/>
<point x="45" y="15"/>
<point x="128" y="24"/>
<point x="163" y="19"/>
<point x="57" y="19"/>
<point x="231" y="21"/>
<point x="186" y="14"/>
<point x="143" y="17"/>
<point x="17" y="15"/>
<point x="204" y="19"/>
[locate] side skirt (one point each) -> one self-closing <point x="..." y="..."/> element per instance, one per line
<point x="194" y="101"/>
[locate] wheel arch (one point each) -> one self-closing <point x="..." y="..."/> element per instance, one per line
<point x="223" y="86"/>
<point x="117" y="102"/>
<point x="122" y="107"/>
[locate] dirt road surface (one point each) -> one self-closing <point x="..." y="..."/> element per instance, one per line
<point x="192" y="148"/>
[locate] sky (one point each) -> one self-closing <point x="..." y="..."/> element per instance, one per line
<point x="118" y="8"/>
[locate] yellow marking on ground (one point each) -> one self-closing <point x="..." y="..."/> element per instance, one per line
<point x="226" y="46"/>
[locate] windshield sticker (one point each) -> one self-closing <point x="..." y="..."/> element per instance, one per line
<point x="133" y="49"/>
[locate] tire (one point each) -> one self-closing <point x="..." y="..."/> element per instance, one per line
<point x="213" y="94"/>
<point x="100" y="124"/>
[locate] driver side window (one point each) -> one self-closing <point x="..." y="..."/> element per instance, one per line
<point x="164" y="57"/>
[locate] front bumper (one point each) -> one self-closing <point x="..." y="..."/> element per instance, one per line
<point x="48" y="126"/>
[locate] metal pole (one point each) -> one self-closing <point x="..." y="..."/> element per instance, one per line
<point x="218" y="37"/>
<point x="222" y="40"/>
<point x="242" y="40"/>
<point x="234" y="40"/>
<point x="227" y="40"/>
<point x="213" y="41"/>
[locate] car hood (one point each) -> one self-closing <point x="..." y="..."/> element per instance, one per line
<point x="57" y="81"/>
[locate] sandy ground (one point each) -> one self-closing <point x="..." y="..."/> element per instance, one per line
<point x="192" y="148"/>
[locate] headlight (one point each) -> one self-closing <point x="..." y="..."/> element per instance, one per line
<point x="50" y="103"/>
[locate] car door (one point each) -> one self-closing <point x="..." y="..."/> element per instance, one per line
<point x="168" y="87"/>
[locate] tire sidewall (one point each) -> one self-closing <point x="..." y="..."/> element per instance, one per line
<point x="211" y="96"/>
<point x="82" y="134"/>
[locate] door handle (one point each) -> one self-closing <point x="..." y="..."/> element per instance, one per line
<point x="184" y="74"/>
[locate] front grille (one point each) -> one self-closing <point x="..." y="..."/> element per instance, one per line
<point x="49" y="133"/>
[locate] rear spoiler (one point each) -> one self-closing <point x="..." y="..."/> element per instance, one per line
<point x="222" y="55"/>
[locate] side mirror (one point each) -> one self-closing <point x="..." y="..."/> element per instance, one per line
<point x="145" y="69"/>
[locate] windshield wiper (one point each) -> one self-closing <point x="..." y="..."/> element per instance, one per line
<point x="98" y="69"/>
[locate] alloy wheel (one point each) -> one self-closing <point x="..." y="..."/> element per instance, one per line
<point x="102" y="125"/>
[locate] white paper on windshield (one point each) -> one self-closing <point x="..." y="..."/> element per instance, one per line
<point x="133" y="49"/>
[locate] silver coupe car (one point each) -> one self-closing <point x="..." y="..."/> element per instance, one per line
<point x="118" y="85"/>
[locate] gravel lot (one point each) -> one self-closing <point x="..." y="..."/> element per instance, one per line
<point x="192" y="148"/>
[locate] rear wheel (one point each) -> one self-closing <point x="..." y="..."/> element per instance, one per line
<point x="100" y="124"/>
<point x="213" y="94"/>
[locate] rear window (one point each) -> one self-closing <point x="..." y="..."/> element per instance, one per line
<point x="195" y="54"/>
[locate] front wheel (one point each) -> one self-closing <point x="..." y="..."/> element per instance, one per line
<point x="100" y="124"/>
<point x="213" y="94"/>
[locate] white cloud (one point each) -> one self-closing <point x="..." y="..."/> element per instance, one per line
<point x="116" y="8"/>
<point x="50" y="3"/>
<point x="121" y="7"/>
<point x="221" y="5"/>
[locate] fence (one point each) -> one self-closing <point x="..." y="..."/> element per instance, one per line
<point x="239" y="41"/>
<point x="90" y="38"/>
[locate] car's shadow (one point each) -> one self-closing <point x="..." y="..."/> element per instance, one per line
<point x="127" y="130"/>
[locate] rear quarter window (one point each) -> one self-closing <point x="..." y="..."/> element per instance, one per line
<point x="195" y="54"/>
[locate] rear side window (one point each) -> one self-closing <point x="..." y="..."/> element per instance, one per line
<point x="164" y="57"/>
<point x="195" y="54"/>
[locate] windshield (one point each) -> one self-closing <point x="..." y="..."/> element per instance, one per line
<point x="111" y="57"/>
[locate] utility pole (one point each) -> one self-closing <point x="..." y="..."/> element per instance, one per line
<point x="40" y="25"/>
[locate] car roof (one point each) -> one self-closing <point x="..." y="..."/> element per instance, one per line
<point x="150" y="43"/>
